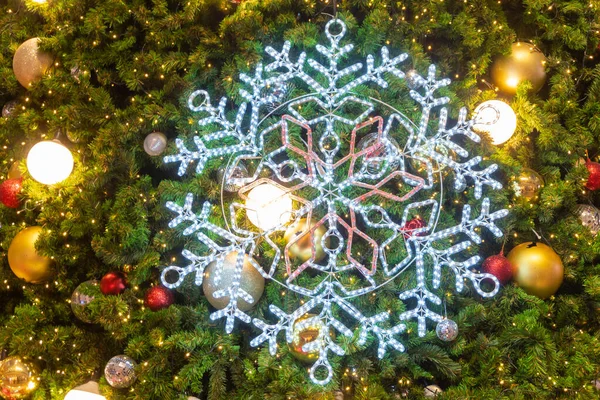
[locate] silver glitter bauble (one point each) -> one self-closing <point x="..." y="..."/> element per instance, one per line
<point x="81" y="298"/>
<point x="120" y="371"/>
<point x="226" y="174"/>
<point x="9" y="109"/>
<point x="447" y="330"/>
<point x="374" y="166"/>
<point x="413" y="79"/>
<point x="155" y="143"/>
<point x="30" y="63"/>
<point x="432" y="391"/>
<point x="590" y="217"/>
<point x="76" y="73"/>
<point x="251" y="281"/>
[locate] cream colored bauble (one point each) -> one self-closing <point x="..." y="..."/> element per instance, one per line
<point x="497" y="119"/>
<point x="30" y="63"/>
<point x="251" y="281"/>
<point x="87" y="391"/>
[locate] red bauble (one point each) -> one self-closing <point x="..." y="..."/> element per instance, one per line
<point x="593" y="182"/>
<point x="158" y="297"/>
<point x="9" y="192"/>
<point x="413" y="224"/>
<point x="113" y="283"/>
<point x="500" y="267"/>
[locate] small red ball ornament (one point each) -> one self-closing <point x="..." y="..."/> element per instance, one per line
<point x="158" y="297"/>
<point x="593" y="182"/>
<point x="113" y="283"/>
<point x="9" y="192"/>
<point x="499" y="266"/>
<point x="412" y="225"/>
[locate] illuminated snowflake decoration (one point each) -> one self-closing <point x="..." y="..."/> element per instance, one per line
<point x="312" y="152"/>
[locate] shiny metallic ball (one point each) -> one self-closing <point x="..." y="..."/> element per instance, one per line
<point x="447" y="330"/>
<point x="155" y="143"/>
<point x="81" y="298"/>
<point x="120" y="372"/>
<point x="590" y="217"/>
<point x="228" y="176"/>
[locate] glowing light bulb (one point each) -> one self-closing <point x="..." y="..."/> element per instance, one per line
<point x="49" y="162"/>
<point x="268" y="206"/>
<point x="88" y="391"/>
<point x="497" y="119"/>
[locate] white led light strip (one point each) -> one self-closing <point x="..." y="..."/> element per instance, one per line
<point x="315" y="162"/>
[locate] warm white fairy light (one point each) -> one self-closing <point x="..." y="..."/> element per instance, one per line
<point x="314" y="163"/>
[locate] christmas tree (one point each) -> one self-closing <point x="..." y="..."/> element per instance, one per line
<point x="220" y="198"/>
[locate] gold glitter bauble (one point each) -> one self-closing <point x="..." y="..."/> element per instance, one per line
<point x="302" y="249"/>
<point x="528" y="184"/>
<point x="302" y="336"/>
<point x="18" y="379"/>
<point x="251" y="281"/>
<point x="537" y="269"/>
<point x="30" y="63"/>
<point x="524" y="63"/>
<point x="25" y="261"/>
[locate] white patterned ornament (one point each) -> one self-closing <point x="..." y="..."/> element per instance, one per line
<point x="303" y="149"/>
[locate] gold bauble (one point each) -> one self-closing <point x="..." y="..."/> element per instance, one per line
<point x="302" y="249"/>
<point x="537" y="269"/>
<point x="25" y="261"/>
<point x="17" y="378"/>
<point x="252" y="282"/>
<point x="528" y="184"/>
<point x="524" y="63"/>
<point x="14" y="172"/>
<point x="300" y="337"/>
<point x="30" y="63"/>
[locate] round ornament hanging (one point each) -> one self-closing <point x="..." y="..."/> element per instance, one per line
<point x="24" y="260"/>
<point x="18" y="378"/>
<point x="497" y="119"/>
<point x="446" y="330"/>
<point x="307" y="333"/>
<point x="312" y="168"/>
<point x="303" y="242"/>
<point x="593" y="182"/>
<point x="9" y="109"/>
<point x="413" y="79"/>
<point x="30" y="63"/>
<point x="528" y="184"/>
<point x="229" y="177"/>
<point x="432" y="391"/>
<point x="158" y="298"/>
<point x="589" y="216"/>
<point x="113" y="283"/>
<point x="538" y="270"/>
<point x="499" y="266"/>
<point x="10" y="190"/>
<point x="82" y="297"/>
<point x="49" y="162"/>
<point x="120" y="372"/>
<point x="524" y="63"/>
<point x="155" y="143"/>
<point x="220" y="276"/>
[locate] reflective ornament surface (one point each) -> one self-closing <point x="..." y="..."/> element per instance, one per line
<point x="593" y="182"/>
<point x="226" y="177"/>
<point x="81" y="298"/>
<point x="589" y="216"/>
<point x="375" y="158"/>
<point x="446" y="330"/>
<point x="30" y="63"/>
<point x="18" y="378"/>
<point x="9" y="109"/>
<point x="215" y="278"/>
<point x="525" y="63"/>
<point x="304" y="238"/>
<point x="528" y="184"/>
<point x="412" y="79"/>
<point x="113" y="283"/>
<point x="538" y="270"/>
<point x="24" y="260"/>
<point x="307" y="329"/>
<point x="120" y="372"/>
<point x="155" y="143"/>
